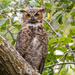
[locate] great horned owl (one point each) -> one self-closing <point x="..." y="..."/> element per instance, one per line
<point x="32" y="42"/>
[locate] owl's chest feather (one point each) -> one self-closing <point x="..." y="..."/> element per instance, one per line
<point x="34" y="34"/>
<point x="35" y="41"/>
<point x="32" y="39"/>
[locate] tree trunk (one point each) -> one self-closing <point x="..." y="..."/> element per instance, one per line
<point x="11" y="62"/>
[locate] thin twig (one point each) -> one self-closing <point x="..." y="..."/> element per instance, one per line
<point x="61" y="65"/>
<point x="64" y="63"/>
<point x="11" y="35"/>
<point x="52" y="28"/>
<point x="12" y="29"/>
<point x="72" y="52"/>
<point x="66" y="54"/>
<point x="68" y="47"/>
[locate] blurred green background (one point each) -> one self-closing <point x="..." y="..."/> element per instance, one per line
<point x="60" y="14"/>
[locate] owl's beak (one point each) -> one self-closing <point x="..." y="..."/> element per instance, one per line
<point x="32" y="19"/>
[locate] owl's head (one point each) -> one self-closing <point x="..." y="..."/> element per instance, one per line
<point x="32" y="15"/>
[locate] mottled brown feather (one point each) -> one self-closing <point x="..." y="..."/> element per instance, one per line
<point x="32" y="44"/>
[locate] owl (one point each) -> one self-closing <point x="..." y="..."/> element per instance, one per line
<point x="32" y="42"/>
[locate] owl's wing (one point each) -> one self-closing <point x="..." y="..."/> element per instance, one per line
<point x="23" y="41"/>
<point x="44" y="43"/>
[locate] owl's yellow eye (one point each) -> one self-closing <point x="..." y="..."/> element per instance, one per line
<point x="28" y="15"/>
<point x="36" y="14"/>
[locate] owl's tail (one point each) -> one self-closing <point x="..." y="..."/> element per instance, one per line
<point x="41" y="66"/>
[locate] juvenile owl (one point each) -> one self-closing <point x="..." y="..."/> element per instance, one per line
<point x="32" y="42"/>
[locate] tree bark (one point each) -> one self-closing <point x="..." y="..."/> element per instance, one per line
<point x="11" y="62"/>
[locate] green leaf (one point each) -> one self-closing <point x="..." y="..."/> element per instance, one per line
<point x="17" y="24"/>
<point x="13" y="43"/>
<point x="58" y="16"/>
<point x="0" y="40"/>
<point x="14" y="15"/>
<point x="45" y="73"/>
<point x="71" y="57"/>
<point x="7" y="21"/>
<point x="72" y="32"/>
<point x="47" y="63"/>
<point x="61" y="48"/>
<point x="67" y="58"/>
<point x="66" y="17"/>
<point x="63" y="71"/>
<point x="67" y="40"/>
<point x="46" y="26"/>
<point x="48" y="5"/>
<point x="3" y="21"/>
<point x="3" y="28"/>
<point x="13" y="30"/>
<point x="61" y="39"/>
<point x="60" y="19"/>
<point x="70" y="6"/>
<point x="33" y="3"/>
<point x="52" y="41"/>
<point x="1" y="6"/>
<point x="72" y="68"/>
<point x="73" y="23"/>
<point x="5" y="3"/>
<point x="59" y="56"/>
<point x="73" y="13"/>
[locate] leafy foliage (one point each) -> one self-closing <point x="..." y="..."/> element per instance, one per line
<point x="60" y="14"/>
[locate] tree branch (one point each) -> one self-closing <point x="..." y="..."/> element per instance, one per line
<point x="66" y="54"/>
<point x="11" y="62"/>
<point x="11" y="35"/>
<point x="68" y="47"/>
<point x="11" y="30"/>
<point x="52" y="28"/>
<point x="64" y="63"/>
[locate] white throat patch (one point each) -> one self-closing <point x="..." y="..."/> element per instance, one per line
<point x="34" y="25"/>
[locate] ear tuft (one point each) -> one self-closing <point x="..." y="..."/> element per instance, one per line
<point x="22" y="11"/>
<point x="42" y="10"/>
